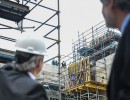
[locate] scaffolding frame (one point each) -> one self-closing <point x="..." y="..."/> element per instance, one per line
<point x="96" y="45"/>
<point x="21" y="28"/>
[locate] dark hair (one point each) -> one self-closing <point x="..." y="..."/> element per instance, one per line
<point x="106" y="1"/>
<point x="122" y="4"/>
<point x="21" y="57"/>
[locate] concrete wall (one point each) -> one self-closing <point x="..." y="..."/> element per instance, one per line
<point x="49" y="74"/>
<point x="103" y="68"/>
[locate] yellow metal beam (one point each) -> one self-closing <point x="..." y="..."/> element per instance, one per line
<point x="88" y="85"/>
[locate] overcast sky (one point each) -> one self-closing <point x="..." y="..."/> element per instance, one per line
<point x="76" y="15"/>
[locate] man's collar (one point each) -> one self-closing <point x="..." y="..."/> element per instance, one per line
<point x="125" y="22"/>
<point x="31" y="75"/>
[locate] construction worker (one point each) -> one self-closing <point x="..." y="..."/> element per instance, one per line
<point x="18" y="80"/>
<point x="117" y="15"/>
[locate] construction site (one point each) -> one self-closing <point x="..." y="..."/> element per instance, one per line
<point x="82" y="74"/>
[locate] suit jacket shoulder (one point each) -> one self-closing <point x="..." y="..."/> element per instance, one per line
<point x="19" y="86"/>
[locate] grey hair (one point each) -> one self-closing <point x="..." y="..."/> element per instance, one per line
<point x="28" y="65"/>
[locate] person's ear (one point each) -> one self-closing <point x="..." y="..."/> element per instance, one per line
<point x="40" y="64"/>
<point x="41" y="61"/>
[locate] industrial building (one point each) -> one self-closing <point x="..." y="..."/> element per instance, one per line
<point x="85" y="73"/>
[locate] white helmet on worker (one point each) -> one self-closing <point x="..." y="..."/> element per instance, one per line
<point x="31" y="43"/>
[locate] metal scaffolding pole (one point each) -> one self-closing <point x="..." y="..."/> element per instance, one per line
<point x="59" y="73"/>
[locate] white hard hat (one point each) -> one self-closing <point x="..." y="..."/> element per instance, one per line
<point x="31" y="43"/>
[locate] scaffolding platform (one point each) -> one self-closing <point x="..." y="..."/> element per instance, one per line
<point x="6" y="55"/>
<point x="13" y="11"/>
<point x="107" y="41"/>
<point x="91" y="85"/>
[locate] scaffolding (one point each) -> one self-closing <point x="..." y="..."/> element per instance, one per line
<point x="49" y="79"/>
<point x="89" y="64"/>
<point x="18" y="16"/>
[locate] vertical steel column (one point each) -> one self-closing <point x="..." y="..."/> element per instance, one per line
<point x="21" y="22"/>
<point x="104" y="60"/>
<point x="59" y="73"/>
<point x="92" y="38"/>
<point x="88" y="93"/>
<point x="78" y="49"/>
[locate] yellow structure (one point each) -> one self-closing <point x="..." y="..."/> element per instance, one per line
<point x="85" y="77"/>
<point x="91" y="85"/>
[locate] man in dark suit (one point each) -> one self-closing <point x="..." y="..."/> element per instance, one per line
<point x="117" y="15"/>
<point x="17" y="80"/>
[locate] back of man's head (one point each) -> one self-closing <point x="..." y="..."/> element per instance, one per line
<point x="30" y="48"/>
<point x="26" y="61"/>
